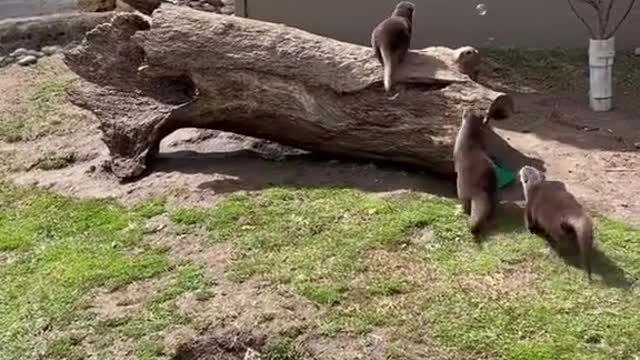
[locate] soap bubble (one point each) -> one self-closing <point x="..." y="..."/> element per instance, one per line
<point x="481" y="9"/>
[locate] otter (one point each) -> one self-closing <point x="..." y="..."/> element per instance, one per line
<point x="476" y="180"/>
<point x="553" y="211"/>
<point x="391" y="40"/>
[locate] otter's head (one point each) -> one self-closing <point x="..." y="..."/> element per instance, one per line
<point x="405" y="9"/>
<point x="530" y="177"/>
<point x="472" y="118"/>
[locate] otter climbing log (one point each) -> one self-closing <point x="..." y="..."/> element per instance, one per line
<point x="146" y="76"/>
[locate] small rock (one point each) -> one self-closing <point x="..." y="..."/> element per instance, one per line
<point x="208" y="7"/>
<point x="637" y="51"/>
<point x="216" y="3"/>
<point x="226" y="10"/>
<point x="19" y="52"/>
<point x="6" y="60"/>
<point x="229" y="2"/>
<point x="50" y="50"/>
<point x="154" y="228"/>
<point x="637" y="145"/>
<point x="27" y="60"/>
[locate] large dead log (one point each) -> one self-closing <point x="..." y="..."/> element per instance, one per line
<point x="145" y="78"/>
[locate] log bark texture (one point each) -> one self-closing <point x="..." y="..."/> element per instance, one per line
<point x="147" y="77"/>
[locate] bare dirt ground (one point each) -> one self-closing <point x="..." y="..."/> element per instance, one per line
<point x="597" y="155"/>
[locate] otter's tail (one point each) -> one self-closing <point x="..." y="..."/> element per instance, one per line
<point x="583" y="229"/>
<point x="481" y="210"/>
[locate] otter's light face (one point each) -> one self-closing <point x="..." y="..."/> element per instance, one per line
<point x="469" y="116"/>
<point x="530" y="175"/>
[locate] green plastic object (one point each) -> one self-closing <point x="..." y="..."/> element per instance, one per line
<point x="505" y="176"/>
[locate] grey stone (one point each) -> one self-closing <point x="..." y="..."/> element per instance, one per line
<point x="229" y="2"/>
<point x="227" y="10"/>
<point x="637" y="51"/>
<point x="7" y="60"/>
<point x="27" y="60"/>
<point x="31" y="53"/>
<point x="19" y="52"/>
<point x="216" y="3"/>
<point x="50" y="50"/>
<point x="208" y="7"/>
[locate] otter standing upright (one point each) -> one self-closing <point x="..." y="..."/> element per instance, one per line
<point x="551" y="210"/>
<point x="476" y="179"/>
<point x="391" y="40"/>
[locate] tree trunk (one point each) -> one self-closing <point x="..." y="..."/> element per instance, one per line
<point x="182" y="68"/>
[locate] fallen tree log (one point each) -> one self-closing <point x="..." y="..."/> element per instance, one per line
<point x="145" y="78"/>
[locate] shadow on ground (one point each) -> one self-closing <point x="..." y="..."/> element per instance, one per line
<point x="611" y="273"/>
<point x="246" y="170"/>
<point x="242" y="167"/>
<point x="569" y="120"/>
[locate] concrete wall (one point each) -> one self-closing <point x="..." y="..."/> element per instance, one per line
<point x="521" y="23"/>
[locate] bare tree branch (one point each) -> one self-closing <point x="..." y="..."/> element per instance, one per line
<point x="624" y="17"/>
<point x="608" y="14"/>
<point x="577" y="14"/>
<point x="602" y="26"/>
<point x="591" y="3"/>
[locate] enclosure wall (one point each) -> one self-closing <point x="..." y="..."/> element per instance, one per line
<point x="521" y="23"/>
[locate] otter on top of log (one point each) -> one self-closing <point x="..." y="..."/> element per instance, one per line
<point x="552" y="211"/>
<point x="391" y="40"/>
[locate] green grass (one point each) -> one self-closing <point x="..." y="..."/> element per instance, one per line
<point x="54" y="162"/>
<point x="145" y="329"/>
<point x="44" y="114"/>
<point x="60" y="248"/>
<point x="187" y="218"/>
<point x="356" y="255"/>
<point x="404" y="263"/>
<point x="282" y="349"/>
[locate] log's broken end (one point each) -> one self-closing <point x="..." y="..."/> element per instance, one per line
<point x="144" y="6"/>
<point x="501" y="108"/>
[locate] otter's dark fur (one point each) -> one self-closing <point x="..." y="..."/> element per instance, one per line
<point x="552" y="211"/>
<point x="476" y="179"/>
<point x="391" y="40"/>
